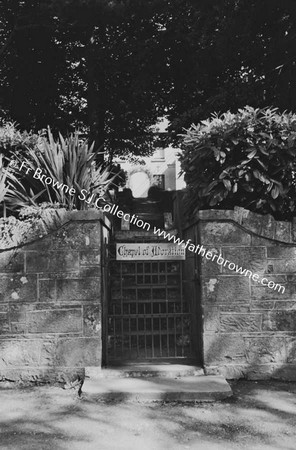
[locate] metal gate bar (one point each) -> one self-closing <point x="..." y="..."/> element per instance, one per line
<point x="147" y="315"/>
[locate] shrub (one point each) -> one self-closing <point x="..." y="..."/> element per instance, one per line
<point x="244" y="159"/>
<point x="14" y="142"/>
<point x="3" y="185"/>
<point x="70" y="162"/>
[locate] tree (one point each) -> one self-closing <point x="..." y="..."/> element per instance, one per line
<point x="115" y="66"/>
<point x="234" y="53"/>
<point x="96" y="63"/>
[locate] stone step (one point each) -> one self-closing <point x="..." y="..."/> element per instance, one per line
<point x="144" y="370"/>
<point x="186" y="389"/>
<point x="146" y="205"/>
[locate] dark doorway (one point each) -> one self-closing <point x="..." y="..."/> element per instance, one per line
<point x="148" y="317"/>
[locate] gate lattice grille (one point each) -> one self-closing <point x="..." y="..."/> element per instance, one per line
<point x="147" y="315"/>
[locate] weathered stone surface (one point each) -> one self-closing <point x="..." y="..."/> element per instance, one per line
<point x="294" y="229"/>
<point x="262" y="241"/>
<point x="55" y="321"/>
<point x="253" y="222"/>
<point x="267" y="226"/>
<point x="262" y="305"/>
<point x="275" y="278"/>
<point x="223" y="233"/>
<point x="285" y="372"/>
<point x="4" y="307"/>
<point x="265" y="349"/>
<point x="90" y="272"/>
<point x="249" y="258"/>
<point x="281" y="252"/>
<point x="285" y="305"/>
<point x="259" y="292"/>
<point x="210" y="268"/>
<point x="216" y="214"/>
<point x="224" y="348"/>
<point x="87" y="215"/>
<point x="249" y="328"/>
<point x="37" y="262"/>
<point x="229" y="371"/>
<point x="55" y="271"/>
<point x="290" y="288"/>
<point x="47" y="353"/>
<point x="47" y="290"/>
<point x="239" y="307"/>
<point x="18" y="328"/>
<point x="60" y="275"/>
<point x="282" y="231"/>
<point x="78" y="289"/>
<point x="291" y="349"/>
<point x="18" y="287"/>
<point x="94" y="234"/>
<point x="225" y="289"/>
<point x="18" y="311"/>
<point x="18" y="353"/>
<point x="79" y="352"/>
<point x="211" y="319"/>
<point x="72" y="236"/>
<point x="250" y="372"/>
<point x="282" y="266"/>
<point x="44" y="375"/>
<point x="260" y="371"/>
<point x="11" y="261"/>
<point x="240" y="322"/>
<point x="280" y="321"/>
<point x="90" y="258"/>
<point x="4" y="323"/>
<point x="92" y="320"/>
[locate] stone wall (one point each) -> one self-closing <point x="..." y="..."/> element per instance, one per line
<point x="249" y="330"/>
<point x="50" y="302"/>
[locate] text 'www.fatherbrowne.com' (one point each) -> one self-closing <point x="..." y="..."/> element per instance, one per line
<point x="213" y="256"/>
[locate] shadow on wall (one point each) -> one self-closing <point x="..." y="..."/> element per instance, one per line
<point x="50" y="310"/>
<point x="251" y="357"/>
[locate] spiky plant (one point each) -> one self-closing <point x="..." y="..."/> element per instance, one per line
<point x="3" y="185"/>
<point x="69" y="162"/>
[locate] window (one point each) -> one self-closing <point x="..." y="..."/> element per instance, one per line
<point x="159" y="154"/>
<point x="158" y="180"/>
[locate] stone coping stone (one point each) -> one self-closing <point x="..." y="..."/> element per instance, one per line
<point x="144" y="370"/>
<point x="85" y="215"/>
<point x="201" y="388"/>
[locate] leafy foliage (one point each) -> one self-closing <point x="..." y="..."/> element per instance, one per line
<point x="244" y="159"/>
<point x="114" y="67"/>
<point x="3" y="185"/>
<point x="65" y="163"/>
<point x="232" y="53"/>
<point x="97" y="65"/>
<point x="13" y="141"/>
<point x="32" y="222"/>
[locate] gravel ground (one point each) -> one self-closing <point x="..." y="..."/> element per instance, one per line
<point x="260" y="415"/>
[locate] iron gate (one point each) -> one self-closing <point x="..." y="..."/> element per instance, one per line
<point x="147" y="315"/>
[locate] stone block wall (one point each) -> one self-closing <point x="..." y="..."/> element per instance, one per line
<point x="249" y="330"/>
<point x="51" y="302"/>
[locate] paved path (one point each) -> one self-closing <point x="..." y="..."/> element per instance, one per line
<point x="260" y="416"/>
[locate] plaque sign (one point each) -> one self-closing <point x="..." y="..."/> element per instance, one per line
<point x="150" y="251"/>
